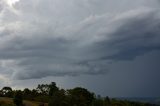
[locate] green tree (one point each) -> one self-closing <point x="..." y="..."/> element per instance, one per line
<point x="18" y="99"/>
<point x="43" y="89"/>
<point x="34" y="92"/>
<point x="80" y="97"/>
<point x="107" y="101"/>
<point x="7" y="92"/>
<point x="52" y="88"/>
<point x="98" y="102"/>
<point x="58" y="99"/>
<point x="27" y="93"/>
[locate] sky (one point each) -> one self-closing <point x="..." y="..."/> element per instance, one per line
<point x="111" y="47"/>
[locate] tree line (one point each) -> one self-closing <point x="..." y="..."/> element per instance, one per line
<point x="54" y="96"/>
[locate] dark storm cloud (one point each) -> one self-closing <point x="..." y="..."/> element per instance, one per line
<point x="136" y="36"/>
<point x="44" y="40"/>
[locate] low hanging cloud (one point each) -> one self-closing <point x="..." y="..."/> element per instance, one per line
<point x="69" y="38"/>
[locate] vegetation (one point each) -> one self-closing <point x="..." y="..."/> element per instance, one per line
<point x="18" y="98"/>
<point x="51" y="95"/>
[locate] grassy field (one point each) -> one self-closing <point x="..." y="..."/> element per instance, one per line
<point x="9" y="102"/>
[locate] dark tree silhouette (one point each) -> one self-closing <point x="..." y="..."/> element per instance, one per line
<point x="43" y="89"/>
<point x="107" y="101"/>
<point x="7" y="92"/>
<point x="80" y="97"/>
<point x="58" y="99"/>
<point x="52" y="88"/>
<point x="18" y="99"/>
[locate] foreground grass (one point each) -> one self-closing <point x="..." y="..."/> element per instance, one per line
<point x="9" y="102"/>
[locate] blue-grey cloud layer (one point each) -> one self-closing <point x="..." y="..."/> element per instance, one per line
<point x="69" y="38"/>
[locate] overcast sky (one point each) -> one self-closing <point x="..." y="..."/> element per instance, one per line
<point x="111" y="47"/>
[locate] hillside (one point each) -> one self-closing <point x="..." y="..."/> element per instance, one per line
<point x="4" y="101"/>
<point x="52" y="95"/>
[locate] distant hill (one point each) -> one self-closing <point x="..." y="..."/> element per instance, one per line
<point x="153" y="100"/>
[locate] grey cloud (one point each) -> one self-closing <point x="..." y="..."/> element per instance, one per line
<point x="136" y="36"/>
<point x="45" y="40"/>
